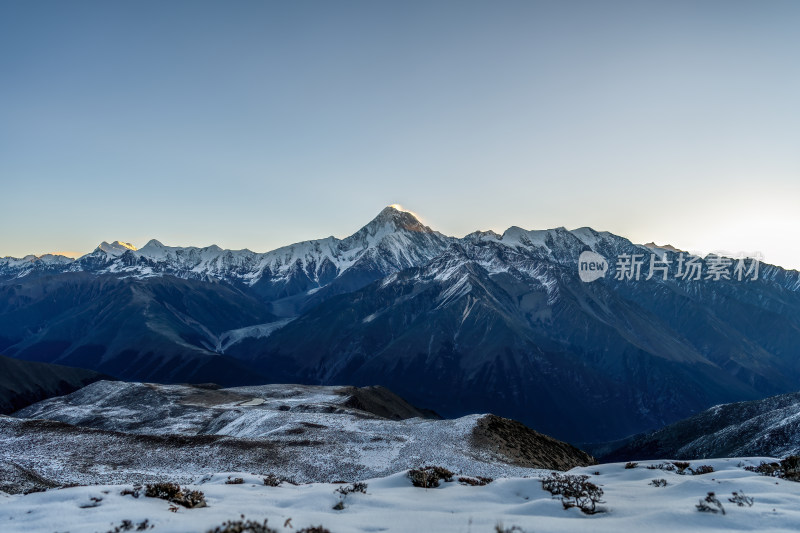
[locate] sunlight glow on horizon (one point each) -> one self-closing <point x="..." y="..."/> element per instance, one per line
<point x="412" y="213"/>
<point x="262" y="124"/>
<point x="71" y="255"/>
<point x="698" y="246"/>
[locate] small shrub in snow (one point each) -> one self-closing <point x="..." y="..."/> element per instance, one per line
<point x="667" y="467"/>
<point x="710" y="504"/>
<point x="631" y="465"/>
<point x="575" y="491"/>
<point x="659" y="482"/>
<point x="243" y="526"/>
<point x="478" y="481"/>
<point x="353" y="487"/>
<point x="791" y="468"/>
<point x="428" y="477"/>
<point x="513" y="529"/>
<point x="741" y="499"/>
<point x="93" y="502"/>
<point x="346" y="490"/>
<point x="788" y="468"/>
<point x="127" y="525"/>
<point x="702" y="469"/>
<point x="234" y="481"/>
<point x="271" y="480"/>
<point x="172" y="492"/>
<point x="765" y="469"/>
<point x="681" y="466"/>
<point x="135" y="491"/>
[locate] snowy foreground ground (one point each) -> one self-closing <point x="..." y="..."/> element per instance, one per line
<point x="391" y="503"/>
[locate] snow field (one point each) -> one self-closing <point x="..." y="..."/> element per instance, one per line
<point x="393" y="504"/>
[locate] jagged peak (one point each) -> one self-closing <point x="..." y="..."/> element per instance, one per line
<point x="587" y="230"/>
<point x="394" y="218"/>
<point x="666" y="247"/>
<point x="115" y="248"/>
<point x="483" y="236"/>
<point x="396" y="208"/>
<point x="44" y="258"/>
<point x="55" y="258"/>
<point x="515" y="234"/>
<point x="153" y="243"/>
<point x="514" y="231"/>
<point x="396" y="213"/>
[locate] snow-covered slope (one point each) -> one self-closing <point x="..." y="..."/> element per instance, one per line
<point x="259" y="331"/>
<point x="135" y="431"/>
<point x="631" y="505"/>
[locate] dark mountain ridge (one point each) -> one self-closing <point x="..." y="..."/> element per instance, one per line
<point x="489" y="322"/>
<point x="769" y="428"/>
<point x="23" y="383"/>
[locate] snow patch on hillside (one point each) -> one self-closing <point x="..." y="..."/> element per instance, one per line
<point x="234" y="336"/>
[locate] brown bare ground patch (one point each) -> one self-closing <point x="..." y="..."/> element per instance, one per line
<point x="522" y="446"/>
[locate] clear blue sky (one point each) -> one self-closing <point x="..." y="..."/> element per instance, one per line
<point x="258" y="124"/>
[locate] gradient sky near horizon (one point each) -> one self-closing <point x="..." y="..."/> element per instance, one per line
<point x="259" y="124"/>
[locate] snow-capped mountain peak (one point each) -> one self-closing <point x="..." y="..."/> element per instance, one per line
<point x="153" y="244"/>
<point x="481" y="236"/>
<point x="394" y="240"/>
<point x="662" y="248"/>
<point x="392" y="219"/>
<point x="55" y="259"/>
<point x="115" y="248"/>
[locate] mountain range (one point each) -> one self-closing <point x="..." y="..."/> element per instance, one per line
<point x="760" y="428"/>
<point x="487" y="322"/>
